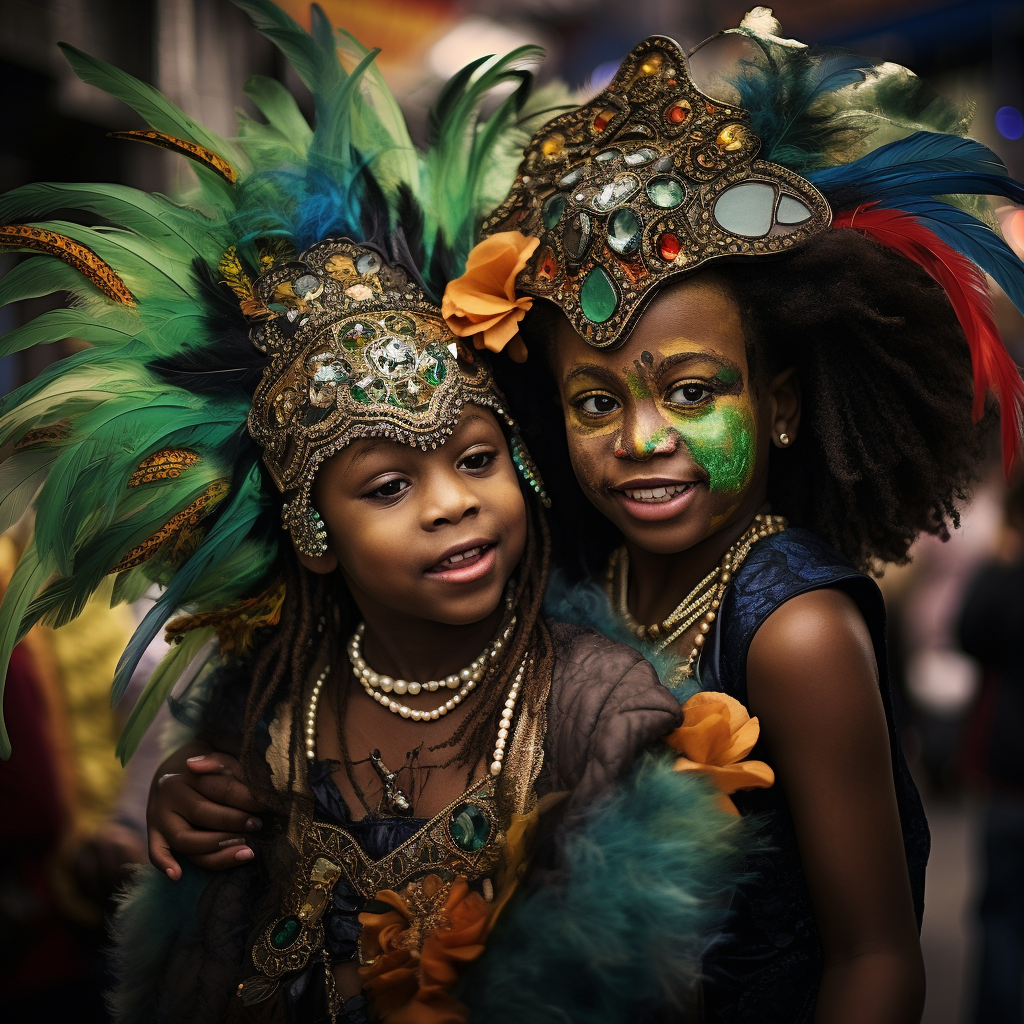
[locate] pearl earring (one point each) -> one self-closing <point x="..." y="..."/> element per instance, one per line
<point x="783" y="439"/>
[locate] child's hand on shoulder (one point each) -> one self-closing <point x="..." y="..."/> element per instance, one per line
<point x="200" y="808"/>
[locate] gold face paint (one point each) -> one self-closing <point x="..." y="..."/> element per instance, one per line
<point x="665" y="433"/>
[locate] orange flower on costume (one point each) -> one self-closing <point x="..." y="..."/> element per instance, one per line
<point x="715" y="737"/>
<point x="483" y="302"/>
<point x="412" y="954"/>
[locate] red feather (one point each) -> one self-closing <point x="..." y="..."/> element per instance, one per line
<point x="968" y="291"/>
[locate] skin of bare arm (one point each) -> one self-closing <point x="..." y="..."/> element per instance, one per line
<point x="824" y="730"/>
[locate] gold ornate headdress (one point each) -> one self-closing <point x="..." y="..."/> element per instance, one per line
<point x="356" y="350"/>
<point x="650" y="179"/>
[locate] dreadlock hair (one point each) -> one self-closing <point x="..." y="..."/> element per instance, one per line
<point x="887" y="448"/>
<point x="278" y="674"/>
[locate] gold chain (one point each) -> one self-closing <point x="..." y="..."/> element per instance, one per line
<point x="702" y="602"/>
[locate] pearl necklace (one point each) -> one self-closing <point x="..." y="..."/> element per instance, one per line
<point x="703" y="601"/>
<point x="504" y="726"/>
<point x="379" y="686"/>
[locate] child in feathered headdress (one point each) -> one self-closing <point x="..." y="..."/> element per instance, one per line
<point x="445" y="776"/>
<point x="762" y="306"/>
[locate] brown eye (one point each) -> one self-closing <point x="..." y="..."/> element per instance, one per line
<point x="477" y="461"/>
<point x="390" y="489"/>
<point x="598" y="405"/>
<point x="692" y="393"/>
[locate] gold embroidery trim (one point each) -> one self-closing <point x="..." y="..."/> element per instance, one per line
<point x="50" y="434"/>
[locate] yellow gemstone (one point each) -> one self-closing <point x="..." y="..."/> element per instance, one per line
<point x="731" y="138"/>
<point x="652" y="65"/>
<point x="553" y="146"/>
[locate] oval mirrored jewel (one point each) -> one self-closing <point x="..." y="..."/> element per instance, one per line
<point x="469" y="828"/>
<point x="792" y="211"/>
<point x="368" y="263"/>
<point x="616" y="192"/>
<point x="576" y="236"/>
<point x="307" y="286"/>
<point x="666" y="192"/>
<point x="570" y="179"/>
<point x="553" y="208"/>
<point x="599" y="297"/>
<point x="608" y="156"/>
<point x="746" y="209"/>
<point x="641" y="157"/>
<point x="624" y="229"/>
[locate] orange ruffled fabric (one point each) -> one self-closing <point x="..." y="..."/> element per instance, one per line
<point x="407" y="975"/>
<point x="716" y="735"/>
<point x="483" y="302"/>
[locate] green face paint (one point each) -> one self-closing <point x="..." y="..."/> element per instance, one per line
<point x="727" y="375"/>
<point x="638" y="387"/>
<point x="721" y="441"/>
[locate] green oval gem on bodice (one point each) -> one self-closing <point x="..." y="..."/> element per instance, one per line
<point x="286" y="932"/>
<point x="469" y="827"/>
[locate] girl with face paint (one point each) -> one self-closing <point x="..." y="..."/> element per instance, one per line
<point x="757" y="408"/>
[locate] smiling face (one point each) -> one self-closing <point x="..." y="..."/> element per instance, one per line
<point x="668" y="434"/>
<point x="429" y="535"/>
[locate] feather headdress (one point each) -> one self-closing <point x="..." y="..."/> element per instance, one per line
<point x="891" y="158"/>
<point x="135" y="452"/>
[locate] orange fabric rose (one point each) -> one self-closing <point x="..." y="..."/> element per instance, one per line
<point x="407" y="974"/>
<point x="715" y="737"/>
<point x="483" y="301"/>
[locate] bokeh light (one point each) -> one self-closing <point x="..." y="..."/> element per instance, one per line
<point x="1010" y="122"/>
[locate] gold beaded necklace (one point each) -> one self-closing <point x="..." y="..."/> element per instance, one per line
<point x="701" y="603"/>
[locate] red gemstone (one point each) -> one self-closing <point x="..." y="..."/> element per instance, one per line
<point x="668" y="247"/>
<point x="602" y="120"/>
<point x="678" y="113"/>
<point x="548" y="267"/>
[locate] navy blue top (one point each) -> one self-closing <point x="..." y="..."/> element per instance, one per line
<point x="767" y="969"/>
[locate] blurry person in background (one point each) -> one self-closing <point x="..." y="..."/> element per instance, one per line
<point x="992" y="631"/>
<point x="71" y="819"/>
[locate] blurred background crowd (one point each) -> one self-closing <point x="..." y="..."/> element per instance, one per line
<point x="71" y="819"/>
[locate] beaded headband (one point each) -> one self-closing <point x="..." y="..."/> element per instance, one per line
<point x="356" y="350"/>
<point x="649" y="180"/>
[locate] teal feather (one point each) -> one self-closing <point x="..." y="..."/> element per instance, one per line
<point x="58" y="324"/>
<point x="158" y="689"/>
<point x="37" y="276"/>
<point x="21" y="476"/>
<point x="158" y="112"/>
<point x="153" y="913"/>
<point x="617" y="934"/>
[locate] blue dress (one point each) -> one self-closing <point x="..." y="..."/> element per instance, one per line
<point x="767" y="969"/>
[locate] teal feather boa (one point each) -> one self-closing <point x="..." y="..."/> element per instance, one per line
<point x="649" y="876"/>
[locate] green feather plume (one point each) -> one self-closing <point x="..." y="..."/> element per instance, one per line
<point x="176" y="371"/>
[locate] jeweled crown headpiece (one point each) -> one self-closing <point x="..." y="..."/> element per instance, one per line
<point x="648" y="180"/>
<point x="356" y="350"/>
<point x="136" y="453"/>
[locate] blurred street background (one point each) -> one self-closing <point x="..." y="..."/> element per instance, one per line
<point x="199" y="53"/>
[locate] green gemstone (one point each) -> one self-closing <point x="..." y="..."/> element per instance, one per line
<point x="598" y="296"/>
<point x="469" y="828"/>
<point x="432" y="369"/>
<point x="286" y="931"/>
<point x="359" y="394"/>
<point x="665" y="192"/>
<point x="553" y="208"/>
<point x="624" y="228"/>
